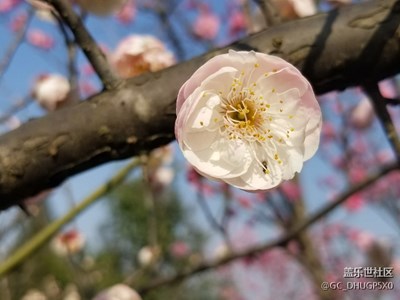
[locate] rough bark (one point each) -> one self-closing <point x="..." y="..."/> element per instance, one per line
<point x="337" y="50"/>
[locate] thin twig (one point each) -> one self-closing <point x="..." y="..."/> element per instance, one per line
<point x="209" y="216"/>
<point x="83" y="38"/>
<point x="43" y="236"/>
<point x="378" y="101"/>
<point x="71" y="49"/>
<point x="281" y="241"/>
<point x="19" y="37"/>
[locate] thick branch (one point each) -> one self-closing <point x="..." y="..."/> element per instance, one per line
<point x="343" y="48"/>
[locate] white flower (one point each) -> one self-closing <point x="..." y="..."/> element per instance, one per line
<point x="148" y="255"/>
<point x="137" y="54"/>
<point x="52" y="91"/>
<point x="118" y="292"/>
<point x="68" y="242"/>
<point x="249" y="119"/>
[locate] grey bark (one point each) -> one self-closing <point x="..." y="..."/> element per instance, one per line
<point x="334" y="51"/>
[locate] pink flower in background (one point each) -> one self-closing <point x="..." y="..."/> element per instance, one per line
<point x="137" y="54"/>
<point x="328" y="131"/>
<point x="354" y="203"/>
<point x="8" y="5"/>
<point x="127" y="13"/>
<point x="179" y="249"/>
<point x="237" y="22"/>
<point x="52" y="91"/>
<point x="69" y="242"/>
<point x="362" y="239"/>
<point x="248" y="119"/>
<point x="118" y="292"/>
<point x="40" y="39"/>
<point x="101" y="7"/>
<point x="18" y="22"/>
<point x="363" y="114"/>
<point x="291" y="190"/>
<point x="207" y="25"/>
<point x="388" y="88"/>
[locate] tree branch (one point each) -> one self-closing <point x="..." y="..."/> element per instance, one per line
<point x="278" y="242"/>
<point x="336" y="50"/>
<point x="83" y="38"/>
<point x="381" y="110"/>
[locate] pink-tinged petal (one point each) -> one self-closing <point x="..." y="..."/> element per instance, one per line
<point x="40" y="39"/>
<point x="206" y="26"/>
<point x="248" y="119"/>
<point x="363" y="114"/>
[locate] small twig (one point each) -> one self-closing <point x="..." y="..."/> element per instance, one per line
<point x="71" y="49"/>
<point x="378" y="101"/>
<point x="210" y="217"/>
<point x="269" y="11"/>
<point x="163" y="14"/>
<point x="83" y="38"/>
<point x="19" y="37"/>
<point x="43" y="236"/>
<point x="150" y="203"/>
<point x="278" y="242"/>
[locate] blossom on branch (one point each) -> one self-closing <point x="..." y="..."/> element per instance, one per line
<point x="248" y="119"/>
<point x="53" y="91"/>
<point x="137" y="54"/>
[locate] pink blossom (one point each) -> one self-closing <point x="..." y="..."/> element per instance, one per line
<point x="18" y="22"/>
<point x="248" y="119"/>
<point x="8" y="5"/>
<point x="354" y="203"/>
<point x="363" y="114"/>
<point x="40" y="39"/>
<point x="87" y="88"/>
<point x="179" y="249"/>
<point x="291" y="190"/>
<point x="52" y="91"/>
<point x="361" y="239"/>
<point x="206" y="26"/>
<point x="128" y="12"/>
<point x="357" y="174"/>
<point x="244" y="202"/>
<point x="328" y="131"/>
<point x="388" y="88"/>
<point x="137" y="54"/>
<point x="118" y="292"/>
<point x="69" y="242"/>
<point x="237" y="22"/>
